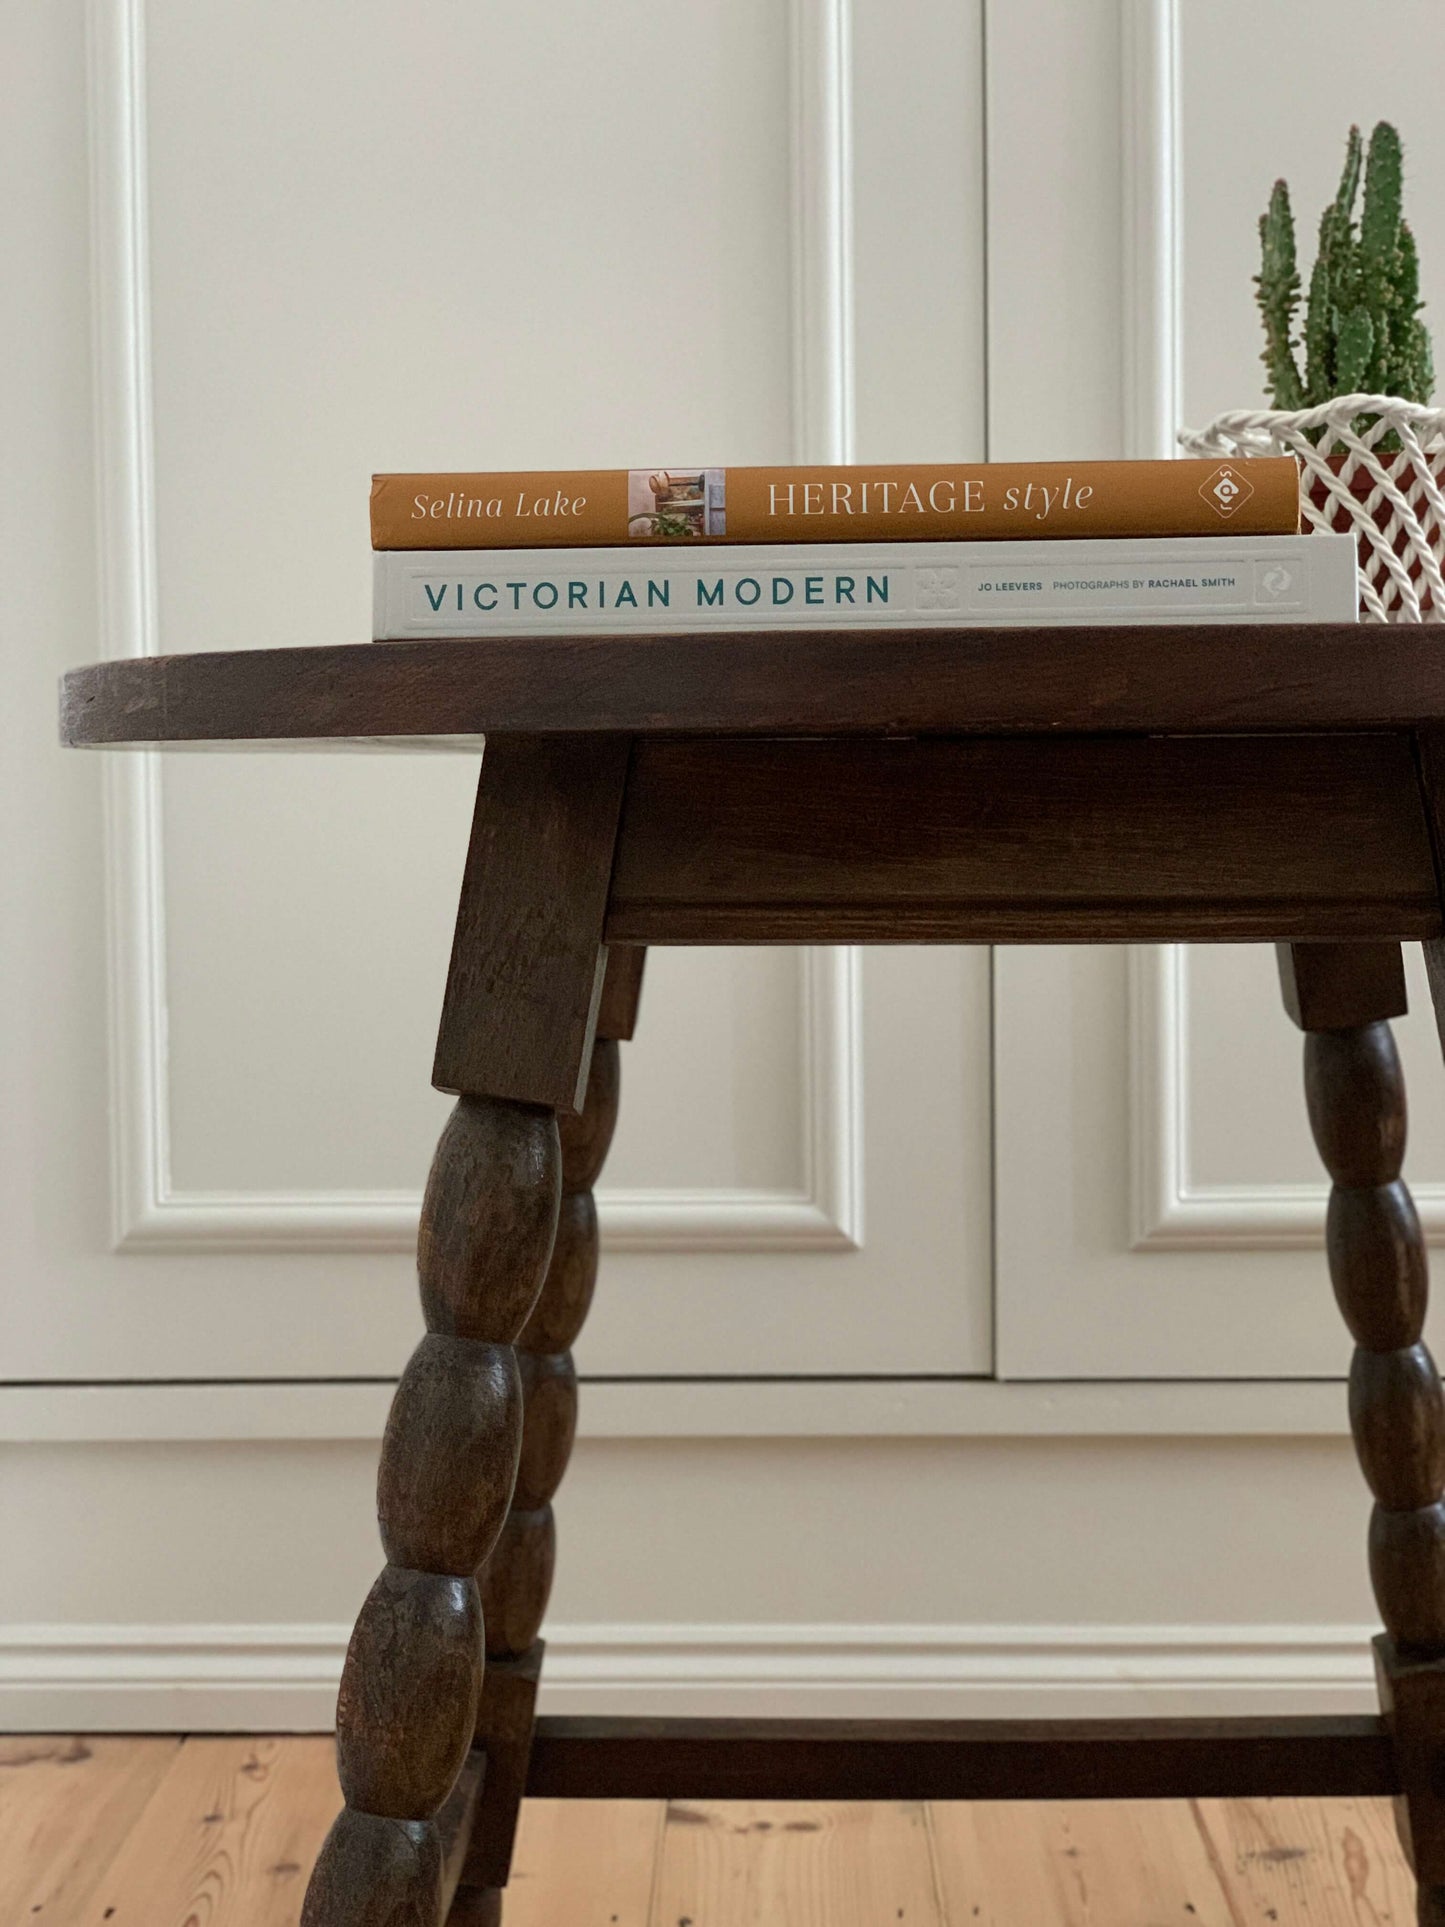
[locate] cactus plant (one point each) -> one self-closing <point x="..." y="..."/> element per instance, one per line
<point x="1362" y="331"/>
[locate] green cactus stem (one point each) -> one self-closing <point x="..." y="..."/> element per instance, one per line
<point x="1278" y="285"/>
<point x="1361" y="327"/>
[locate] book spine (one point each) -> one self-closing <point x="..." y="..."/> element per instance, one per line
<point x="598" y="508"/>
<point x="1290" y="578"/>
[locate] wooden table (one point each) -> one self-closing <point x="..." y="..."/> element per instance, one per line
<point x="1050" y="785"/>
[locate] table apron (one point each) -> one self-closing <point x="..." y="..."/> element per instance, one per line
<point x="1009" y="840"/>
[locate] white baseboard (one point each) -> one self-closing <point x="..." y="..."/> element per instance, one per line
<point x="279" y="1678"/>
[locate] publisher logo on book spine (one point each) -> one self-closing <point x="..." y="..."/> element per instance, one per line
<point x="1226" y="490"/>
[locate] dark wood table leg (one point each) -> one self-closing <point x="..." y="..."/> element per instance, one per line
<point x="515" y="1042"/>
<point x="1342" y="996"/>
<point x="517" y="1577"/>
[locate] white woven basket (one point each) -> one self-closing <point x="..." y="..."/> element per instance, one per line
<point x="1393" y="501"/>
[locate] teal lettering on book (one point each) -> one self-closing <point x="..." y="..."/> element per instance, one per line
<point x="781" y="591"/>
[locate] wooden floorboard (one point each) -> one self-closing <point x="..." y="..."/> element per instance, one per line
<point x="1309" y="1863"/>
<point x="1076" y="1863"/>
<point x="67" y="1806"/>
<point x="737" y="1865"/>
<point x="585" y="1863"/>
<point x="226" y="1840"/>
<point x="126" y="1832"/>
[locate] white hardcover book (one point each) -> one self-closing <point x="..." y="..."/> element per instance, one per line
<point x="472" y="592"/>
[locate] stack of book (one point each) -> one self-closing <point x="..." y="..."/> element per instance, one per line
<point x="957" y="545"/>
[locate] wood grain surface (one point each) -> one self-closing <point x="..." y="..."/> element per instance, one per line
<point x="1355" y="1095"/>
<point x="579" y="1865"/>
<point x="517" y="1578"/>
<point x="67" y="1807"/>
<point x="621" y="993"/>
<point x="987" y="839"/>
<point x="411" y="1683"/>
<point x="407" y="1708"/>
<point x="215" y="1833"/>
<point x="1130" y="1865"/>
<point x="1325" y="985"/>
<point x="228" y="1836"/>
<point x="1295" y="1863"/>
<point x="527" y="963"/>
<point x="816" y="1866"/>
<point x="1135" y="677"/>
<point x="595" y="1756"/>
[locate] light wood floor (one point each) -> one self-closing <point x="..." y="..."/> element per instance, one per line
<point x="221" y="1832"/>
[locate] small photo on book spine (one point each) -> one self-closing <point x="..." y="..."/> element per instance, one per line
<point x="675" y="504"/>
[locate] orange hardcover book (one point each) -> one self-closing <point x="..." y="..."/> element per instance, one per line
<point x="993" y="501"/>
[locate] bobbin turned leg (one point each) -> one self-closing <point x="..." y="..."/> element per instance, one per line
<point x="515" y="1042"/>
<point x="410" y="1688"/>
<point x="517" y="1578"/>
<point x="1342" y="995"/>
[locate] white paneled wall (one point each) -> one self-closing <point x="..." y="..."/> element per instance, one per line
<point x="1193" y="1248"/>
<point x="704" y="264"/>
<point x="265" y="252"/>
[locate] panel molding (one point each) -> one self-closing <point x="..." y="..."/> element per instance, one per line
<point x="825" y="1213"/>
<point x="1152" y="231"/>
<point x="301" y="1411"/>
<point x="278" y="1677"/>
<point x="149" y="1212"/>
<point x="1169" y="1210"/>
<point x="125" y="503"/>
<point x="820" y="53"/>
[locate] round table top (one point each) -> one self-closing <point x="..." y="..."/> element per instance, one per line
<point x="1188" y="678"/>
